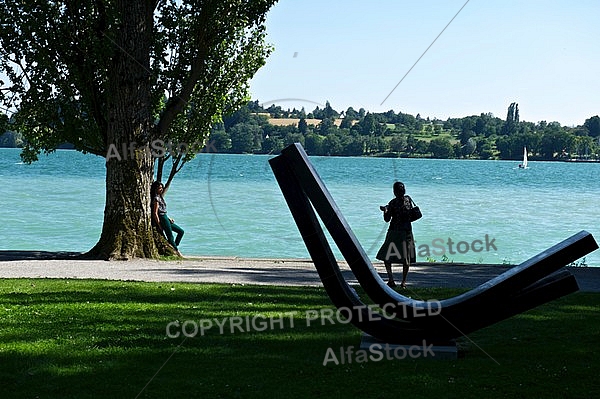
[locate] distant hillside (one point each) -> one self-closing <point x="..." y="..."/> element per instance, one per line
<point x="294" y="121"/>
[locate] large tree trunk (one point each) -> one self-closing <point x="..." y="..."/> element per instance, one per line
<point x="127" y="231"/>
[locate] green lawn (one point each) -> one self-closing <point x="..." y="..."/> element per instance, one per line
<point x="107" y="339"/>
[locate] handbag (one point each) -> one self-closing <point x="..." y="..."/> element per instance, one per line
<point x="414" y="213"/>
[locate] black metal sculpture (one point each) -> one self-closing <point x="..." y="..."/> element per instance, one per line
<point x="401" y="319"/>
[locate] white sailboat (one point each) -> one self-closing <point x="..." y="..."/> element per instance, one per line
<point x="524" y="164"/>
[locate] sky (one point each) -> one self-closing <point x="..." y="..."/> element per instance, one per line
<point x="543" y="55"/>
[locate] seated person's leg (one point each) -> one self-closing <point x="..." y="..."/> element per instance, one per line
<point x="166" y="225"/>
<point x="179" y="232"/>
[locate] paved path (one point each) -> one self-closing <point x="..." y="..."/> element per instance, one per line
<point x="233" y="270"/>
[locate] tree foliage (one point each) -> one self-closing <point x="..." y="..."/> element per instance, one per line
<point x="199" y="61"/>
<point x="593" y="126"/>
<point x="117" y="77"/>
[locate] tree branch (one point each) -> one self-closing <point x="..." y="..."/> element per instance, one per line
<point x="176" y="103"/>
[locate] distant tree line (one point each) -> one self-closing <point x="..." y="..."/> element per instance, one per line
<point x="254" y="129"/>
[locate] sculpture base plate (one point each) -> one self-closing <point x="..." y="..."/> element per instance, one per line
<point x="407" y="352"/>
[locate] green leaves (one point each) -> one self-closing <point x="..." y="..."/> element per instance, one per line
<point x="209" y="50"/>
<point x="58" y="55"/>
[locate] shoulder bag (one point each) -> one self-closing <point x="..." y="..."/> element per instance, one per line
<point x="414" y="213"/>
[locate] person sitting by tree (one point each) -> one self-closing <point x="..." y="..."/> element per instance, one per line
<point x="164" y="224"/>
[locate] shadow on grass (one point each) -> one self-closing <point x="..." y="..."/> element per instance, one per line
<point x="90" y="339"/>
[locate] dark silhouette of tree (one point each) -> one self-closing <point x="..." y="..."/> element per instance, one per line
<point x="326" y="127"/>
<point x="351" y="113"/>
<point x="329" y="112"/>
<point x="441" y="148"/>
<point x="302" y="126"/>
<point x="593" y="126"/>
<point x="346" y="122"/>
<point x="367" y="125"/>
<point x="314" y="144"/>
<point x="512" y="120"/>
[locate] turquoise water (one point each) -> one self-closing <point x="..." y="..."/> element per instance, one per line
<point x="230" y="205"/>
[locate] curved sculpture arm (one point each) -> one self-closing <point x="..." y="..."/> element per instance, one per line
<point x="495" y="300"/>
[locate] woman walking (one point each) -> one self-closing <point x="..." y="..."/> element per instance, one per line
<point x="399" y="245"/>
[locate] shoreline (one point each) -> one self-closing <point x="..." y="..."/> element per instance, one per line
<point x="378" y="155"/>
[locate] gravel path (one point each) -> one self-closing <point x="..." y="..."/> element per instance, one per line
<point x="233" y="270"/>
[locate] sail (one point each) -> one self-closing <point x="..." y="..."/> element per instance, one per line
<point x="524" y="157"/>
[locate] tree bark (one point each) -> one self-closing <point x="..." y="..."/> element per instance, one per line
<point x="127" y="231"/>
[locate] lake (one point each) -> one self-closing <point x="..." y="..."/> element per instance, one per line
<point x="230" y="205"/>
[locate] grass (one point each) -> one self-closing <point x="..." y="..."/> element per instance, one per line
<point x="91" y="339"/>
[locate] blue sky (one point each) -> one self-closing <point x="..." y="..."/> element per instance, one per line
<point x="544" y="55"/>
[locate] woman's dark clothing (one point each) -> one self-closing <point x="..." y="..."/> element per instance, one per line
<point x="399" y="244"/>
